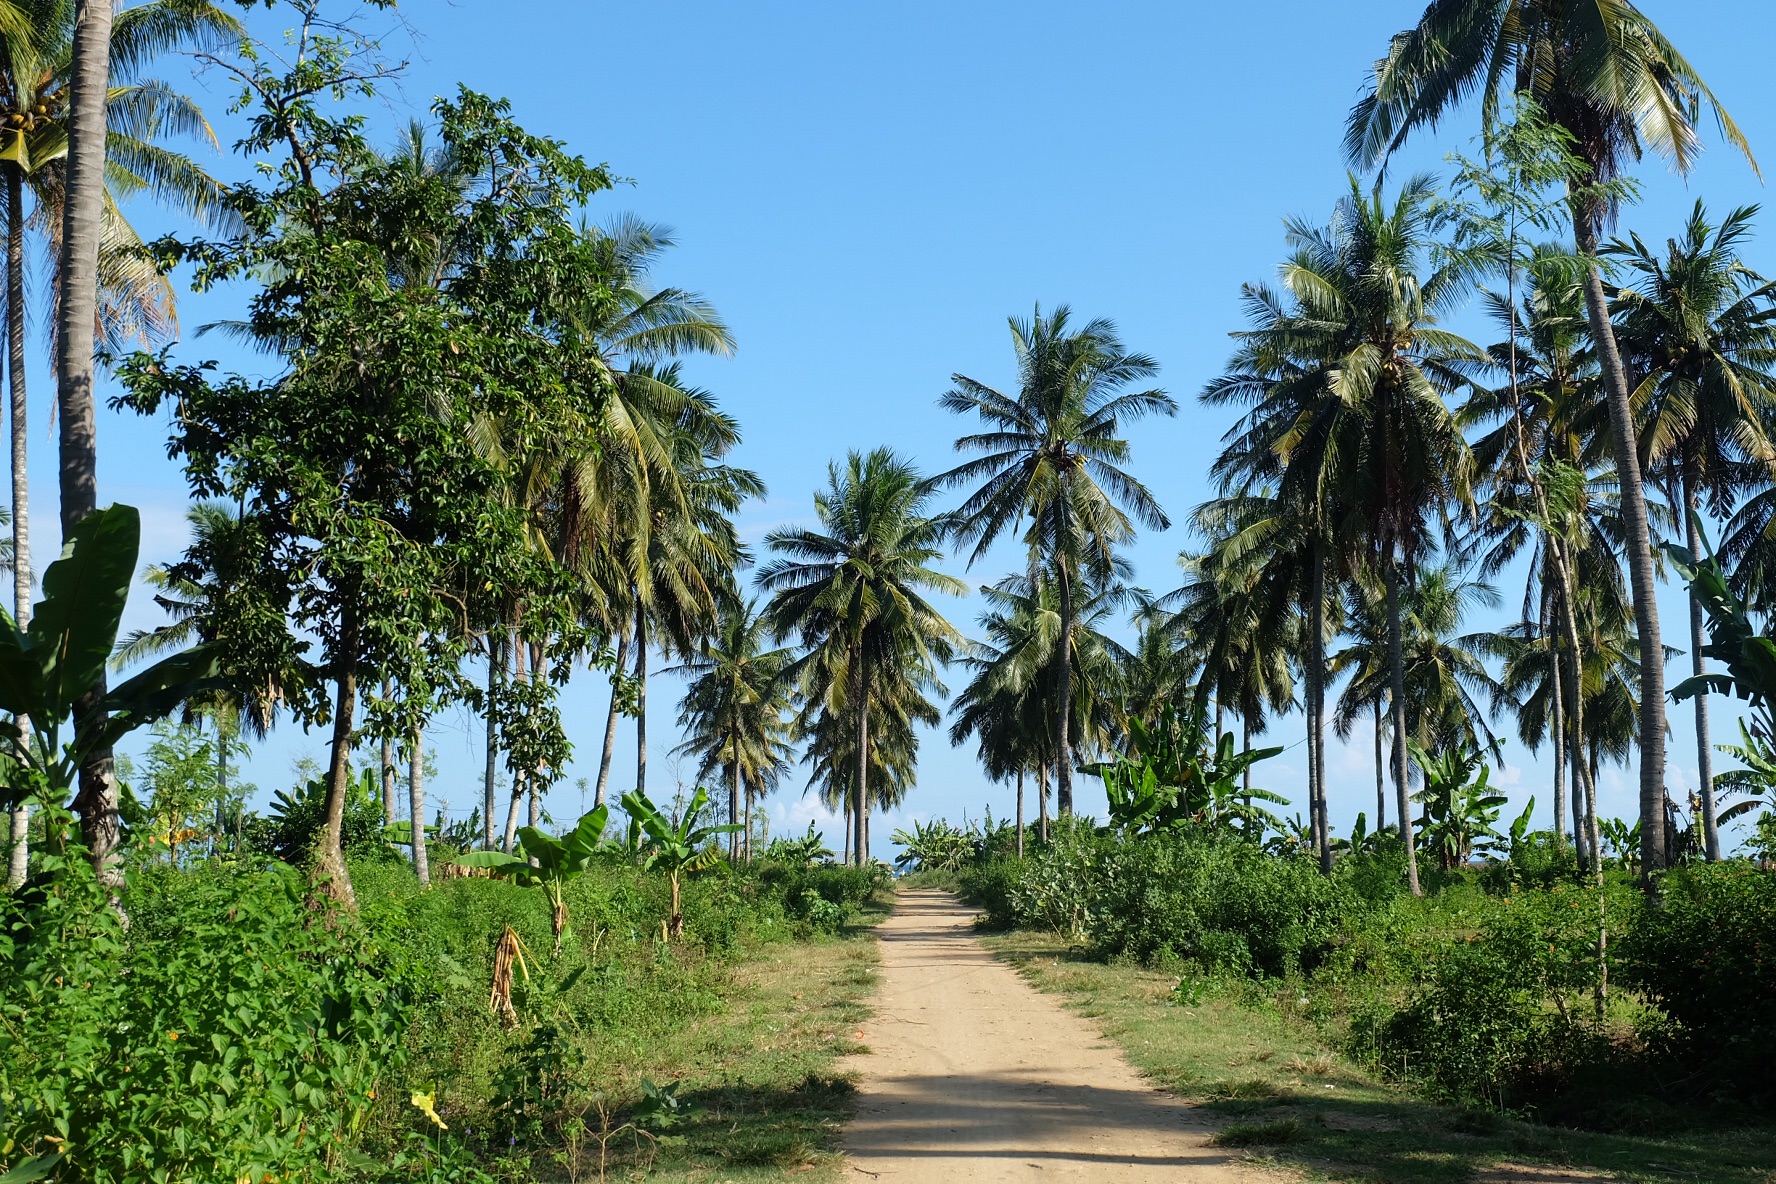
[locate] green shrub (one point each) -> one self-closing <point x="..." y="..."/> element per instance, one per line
<point x="1215" y="900"/>
<point x="1707" y="958"/>
<point x="233" y="1031"/>
<point x="989" y="885"/>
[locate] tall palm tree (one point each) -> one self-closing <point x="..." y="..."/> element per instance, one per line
<point x="854" y="593"/>
<point x="1601" y="70"/>
<point x="735" y="712"/>
<point x="1051" y="461"/>
<point x="1008" y="704"/>
<point x="1698" y="334"/>
<point x="1448" y="687"/>
<point x="640" y="329"/>
<point x="1348" y="383"/>
<point x="131" y="303"/>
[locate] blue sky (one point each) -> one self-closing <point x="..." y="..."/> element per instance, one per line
<point x="867" y="192"/>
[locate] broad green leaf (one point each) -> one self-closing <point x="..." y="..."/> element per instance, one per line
<point x="74" y="627"/>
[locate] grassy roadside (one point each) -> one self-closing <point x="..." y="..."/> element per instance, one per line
<point x="1299" y="1106"/>
<point x="757" y="1080"/>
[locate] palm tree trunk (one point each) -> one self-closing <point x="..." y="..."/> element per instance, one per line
<point x="496" y="665"/>
<point x="1558" y="710"/>
<point x="388" y="761"/>
<point x="520" y="777"/>
<point x="1638" y="545"/>
<point x="416" y="805"/>
<point x="1020" y="813"/>
<point x="1064" y="704"/>
<point x="1397" y="684"/>
<point x="641" y="699"/>
<point x="845" y="854"/>
<point x="533" y="781"/>
<point x="860" y="791"/>
<point x="748" y="832"/>
<point x="330" y="868"/>
<point x="82" y="207"/>
<point x="1380" y="774"/>
<point x="1699" y="664"/>
<point x="1316" y="724"/>
<point x="610" y="723"/>
<point x="1042" y="801"/>
<point x="19" y="863"/>
<point x="734" y="803"/>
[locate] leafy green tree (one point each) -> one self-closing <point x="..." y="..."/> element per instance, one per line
<point x="854" y="592"/>
<point x="380" y="532"/>
<point x="1698" y="333"/>
<point x="1604" y="72"/>
<point x="1051" y="462"/>
<point x="735" y="712"/>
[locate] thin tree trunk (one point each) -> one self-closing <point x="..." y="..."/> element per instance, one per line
<point x="510" y="837"/>
<point x="1042" y="801"/>
<point x="845" y="854"/>
<point x="19" y="862"/>
<point x="1638" y="546"/>
<point x="1380" y="774"/>
<point x="860" y="790"/>
<point x="610" y="723"/>
<point x="330" y="868"/>
<point x="641" y="700"/>
<point x="1699" y="665"/>
<point x="748" y="832"/>
<point x="533" y="780"/>
<point x="1316" y="724"/>
<point x="1397" y="679"/>
<point x="1064" y="705"/>
<point x="496" y="665"/>
<point x="388" y="761"/>
<point x="82" y="208"/>
<point x="416" y="805"/>
<point x="734" y="804"/>
<point x="1558" y="710"/>
<point x="1020" y="813"/>
<point x="1581" y="823"/>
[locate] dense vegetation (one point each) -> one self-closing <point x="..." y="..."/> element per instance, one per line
<point x="467" y="462"/>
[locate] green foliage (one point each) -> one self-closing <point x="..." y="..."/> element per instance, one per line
<point x="1733" y="640"/>
<point x="298" y="818"/>
<point x="678" y="848"/>
<point x="1180" y="775"/>
<point x="1707" y="958"/>
<point x="933" y="846"/>
<point x="231" y="1032"/>
<point x="799" y="851"/>
<point x="62" y="655"/>
<point x="1460" y="809"/>
<point x="547" y="862"/>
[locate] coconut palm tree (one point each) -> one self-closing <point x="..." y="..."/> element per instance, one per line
<point x="129" y="302"/>
<point x="1051" y="462"/>
<point x="1601" y="70"/>
<point x="1008" y="703"/>
<point x="854" y="592"/>
<point x="1347" y="383"/>
<point x="1698" y="334"/>
<point x="735" y="712"/>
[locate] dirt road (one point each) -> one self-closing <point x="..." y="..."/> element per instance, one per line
<point x="973" y="1075"/>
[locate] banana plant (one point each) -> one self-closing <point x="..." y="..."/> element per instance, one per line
<point x="1460" y="808"/>
<point x="547" y="862"/>
<point x="1733" y="640"/>
<point x="61" y="655"/>
<point x="1176" y="775"/>
<point x="678" y="849"/>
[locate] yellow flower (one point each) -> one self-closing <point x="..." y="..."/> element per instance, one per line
<point x="426" y="1103"/>
<point x="172" y="1035"/>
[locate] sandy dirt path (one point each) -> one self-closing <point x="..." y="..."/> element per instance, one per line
<point x="974" y="1075"/>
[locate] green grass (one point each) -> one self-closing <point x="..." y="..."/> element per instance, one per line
<point x="1298" y="1105"/>
<point x="759" y="1077"/>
